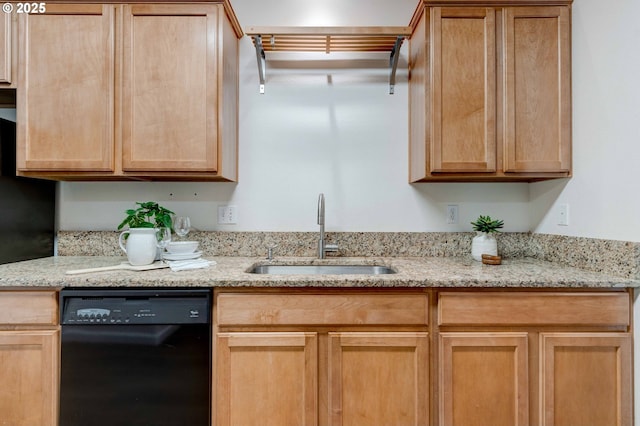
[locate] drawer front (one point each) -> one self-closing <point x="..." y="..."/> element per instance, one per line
<point x="322" y="309"/>
<point x="528" y="308"/>
<point x="28" y="308"/>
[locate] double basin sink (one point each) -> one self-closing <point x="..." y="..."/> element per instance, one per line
<point x="291" y="269"/>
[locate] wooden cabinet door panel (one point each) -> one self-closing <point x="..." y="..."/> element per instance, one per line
<point x="473" y="308"/>
<point x="28" y="377"/>
<point x="378" y="378"/>
<point x="28" y="308"/>
<point x="170" y="88"/>
<point x="6" y="48"/>
<point x="586" y="378"/>
<point x="266" y="378"/>
<point x="236" y="309"/>
<point x="463" y="90"/>
<point x="537" y="87"/>
<point x="66" y="92"/>
<point x="484" y="379"/>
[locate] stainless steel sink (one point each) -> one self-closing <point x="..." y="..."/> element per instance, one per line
<point x="321" y="269"/>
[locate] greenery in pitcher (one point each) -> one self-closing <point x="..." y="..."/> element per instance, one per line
<point x="149" y="215"/>
<point x="487" y="225"/>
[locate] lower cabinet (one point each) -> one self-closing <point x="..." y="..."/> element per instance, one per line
<point x="28" y="374"/>
<point x="484" y="379"/>
<point x="337" y="359"/>
<point x="29" y="358"/>
<point x="586" y="379"/>
<point x="374" y="357"/>
<point x="535" y="358"/>
<point x="488" y="358"/>
<point x="267" y="378"/>
<point x="378" y="378"/>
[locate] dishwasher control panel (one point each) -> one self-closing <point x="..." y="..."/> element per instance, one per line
<point x="119" y="307"/>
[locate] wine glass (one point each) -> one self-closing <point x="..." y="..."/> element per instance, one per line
<point x="182" y="225"/>
<point x="163" y="238"/>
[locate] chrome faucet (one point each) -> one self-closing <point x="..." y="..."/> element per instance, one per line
<point x="322" y="247"/>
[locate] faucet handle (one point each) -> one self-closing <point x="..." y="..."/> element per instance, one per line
<point x="270" y="248"/>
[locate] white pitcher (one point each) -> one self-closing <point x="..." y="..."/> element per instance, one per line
<point x="140" y="247"/>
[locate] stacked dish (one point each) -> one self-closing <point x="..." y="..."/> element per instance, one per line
<point x="182" y="250"/>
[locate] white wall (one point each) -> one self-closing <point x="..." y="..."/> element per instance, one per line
<point x="330" y="128"/>
<point x="604" y="194"/>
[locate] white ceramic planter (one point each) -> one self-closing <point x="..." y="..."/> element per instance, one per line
<point x="483" y="243"/>
<point x="141" y="248"/>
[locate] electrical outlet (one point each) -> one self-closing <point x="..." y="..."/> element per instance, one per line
<point x="227" y="215"/>
<point x="563" y="214"/>
<point x="452" y="214"/>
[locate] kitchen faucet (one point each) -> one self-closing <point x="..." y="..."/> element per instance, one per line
<point x="322" y="247"/>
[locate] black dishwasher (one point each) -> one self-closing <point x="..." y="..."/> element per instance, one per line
<point x="135" y="357"/>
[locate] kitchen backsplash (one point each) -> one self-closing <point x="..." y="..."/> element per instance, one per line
<point x="613" y="257"/>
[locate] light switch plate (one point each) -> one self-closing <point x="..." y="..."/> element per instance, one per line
<point x="227" y="215"/>
<point x="452" y="214"/>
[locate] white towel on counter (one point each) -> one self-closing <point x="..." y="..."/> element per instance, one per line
<point x="183" y="265"/>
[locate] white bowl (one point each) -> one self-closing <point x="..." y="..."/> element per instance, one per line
<point x="181" y="247"/>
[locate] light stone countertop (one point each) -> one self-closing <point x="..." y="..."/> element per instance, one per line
<point x="446" y="272"/>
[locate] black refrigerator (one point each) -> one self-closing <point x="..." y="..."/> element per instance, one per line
<point x="27" y="206"/>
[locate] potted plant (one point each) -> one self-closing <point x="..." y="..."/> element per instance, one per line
<point x="149" y="215"/>
<point x="141" y="239"/>
<point x="485" y="242"/>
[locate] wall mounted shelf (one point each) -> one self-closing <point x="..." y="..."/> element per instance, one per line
<point x="328" y="40"/>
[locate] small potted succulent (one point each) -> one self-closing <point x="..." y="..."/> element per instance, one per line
<point x="485" y="242"/>
<point x="141" y="238"/>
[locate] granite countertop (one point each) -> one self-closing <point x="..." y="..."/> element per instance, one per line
<point x="447" y="272"/>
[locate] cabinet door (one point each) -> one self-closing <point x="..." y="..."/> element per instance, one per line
<point x="484" y="379"/>
<point x="463" y="125"/>
<point x="170" y="88"/>
<point x="66" y="92"/>
<point x="29" y="377"/>
<point x="378" y="378"/>
<point x="586" y="379"/>
<point x="6" y="48"/>
<point x="537" y="88"/>
<point x="266" y="379"/>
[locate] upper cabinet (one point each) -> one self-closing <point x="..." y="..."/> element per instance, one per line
<point x="66" y="95"/>
<point x="140" y="91"/>
<point x="7" y="50"/>
<point x="490" y="94"/>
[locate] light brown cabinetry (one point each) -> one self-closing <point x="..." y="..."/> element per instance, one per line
<point x="29" y="358"/>
<point x="66" y="96"/>
<point x="484" y="379"/>
<point x="8" y="38"/>
<point x="141" y="91"/>
<point x="586" y="378"/>
<point x="267" y="378"/>
<point x="378" y="378"/>
<point x="359" y="357"/>
<point x="489" y="92"/>
<point x="548" y="358"/>
<point x="322" y="358"/>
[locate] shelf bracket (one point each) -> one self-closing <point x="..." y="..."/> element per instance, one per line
<point x="260" y="57"/>
<point x="393" y="63"/>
